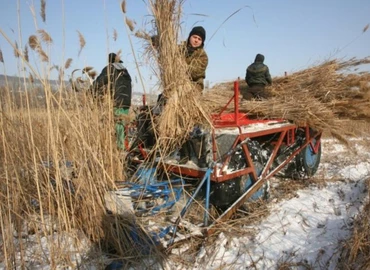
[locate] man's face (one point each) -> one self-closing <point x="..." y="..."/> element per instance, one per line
<point x="195" y="41"/>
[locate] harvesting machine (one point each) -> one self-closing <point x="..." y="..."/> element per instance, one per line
<point x="243" y="155"/>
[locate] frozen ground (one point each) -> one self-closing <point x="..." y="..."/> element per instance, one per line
<point x="305" y="231"/>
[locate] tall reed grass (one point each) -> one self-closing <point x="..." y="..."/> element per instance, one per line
<point x="58" y="158"/>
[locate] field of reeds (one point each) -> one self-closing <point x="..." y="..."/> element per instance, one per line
<point x="59" y="156"/>
<point x="57" y="162"/>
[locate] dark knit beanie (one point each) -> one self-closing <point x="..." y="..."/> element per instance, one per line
<point x="199" y="31"/>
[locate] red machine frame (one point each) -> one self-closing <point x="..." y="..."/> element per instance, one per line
<point x="240" y="121"/>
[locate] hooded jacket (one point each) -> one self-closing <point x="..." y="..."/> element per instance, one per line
<point x="258" y="73"/>
<point x="117" y="78"/>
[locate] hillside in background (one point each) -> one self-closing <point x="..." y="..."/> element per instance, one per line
<point x="15" y="82"/>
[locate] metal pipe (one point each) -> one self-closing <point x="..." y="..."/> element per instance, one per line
<point x="208" y="191"/>
<point x="206" y="177"/>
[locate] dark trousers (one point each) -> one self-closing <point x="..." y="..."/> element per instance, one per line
<point x="255" y="92"/>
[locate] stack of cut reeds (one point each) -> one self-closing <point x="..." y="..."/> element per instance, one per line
<point x="324" y="97"/>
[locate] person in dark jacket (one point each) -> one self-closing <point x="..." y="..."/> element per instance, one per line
<point x="116" y="79"/>
<point x="257" y="77"/>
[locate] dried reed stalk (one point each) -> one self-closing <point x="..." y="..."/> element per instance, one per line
<point x="355" y="253"/>
<point x="183" y="110"/>
<point x="16" y="50"/>
<point x="43" y="56"/>
<point x="61" y="75"/>
<point x="115" y="35"/>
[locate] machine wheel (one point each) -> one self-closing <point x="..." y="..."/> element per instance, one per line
<point x="307" y="161"/>
<point x="305" y="164"/>
<point x="246" y="183"/>
<point x="226" y="193"/>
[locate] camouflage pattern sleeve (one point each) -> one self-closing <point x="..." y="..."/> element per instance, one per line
<point x="198" y="64"/>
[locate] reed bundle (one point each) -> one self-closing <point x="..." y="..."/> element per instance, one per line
<point x="324" y="96"/>
<point x="183" y="110"/>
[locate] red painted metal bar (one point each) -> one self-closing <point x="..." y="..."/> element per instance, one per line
<point x="283" y="164"/>
<point x="225" y="107"/>
<point x="250" y="162"/>
<point x="315" y="148"/>
<point x="273" y="154"/>
<point x="267" y="131"/>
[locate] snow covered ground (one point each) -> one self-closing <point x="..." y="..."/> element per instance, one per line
<point x="305" y="231"/>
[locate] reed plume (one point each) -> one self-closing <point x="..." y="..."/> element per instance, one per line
<point x="25" y="53"/>
<point x="123" y="6"/>
<point x="1" y="56"/>
<point x="34" y="42"/>
<point x="87" y="69"/>
<point x="68" y="63"/>
<point x="45" y="37"/>
<point x="82" y="42"/>
<point x="43" y="10"/>
<point x="118" y="56"/>
<point x="365" y="28"/>
<point x="92" y="74"/>
<point x="130" y="24"/>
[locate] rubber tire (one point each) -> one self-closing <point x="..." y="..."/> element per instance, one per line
<point x="309" y="162"/>
<point x="304" y="165"/>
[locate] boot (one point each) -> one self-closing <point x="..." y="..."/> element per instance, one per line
<point x="184" y="153"/>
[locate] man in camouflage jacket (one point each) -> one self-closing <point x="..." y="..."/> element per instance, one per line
<point x="196" y="57"/>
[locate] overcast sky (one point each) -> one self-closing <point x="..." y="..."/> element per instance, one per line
<point x="292" y="34"/>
